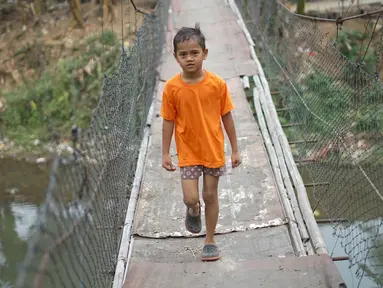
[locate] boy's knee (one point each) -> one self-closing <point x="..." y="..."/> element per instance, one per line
<point x="209" y="196"/>
<point x="190" y="201"/>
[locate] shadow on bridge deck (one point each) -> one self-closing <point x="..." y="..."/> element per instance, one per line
<point x="254" y="242"/>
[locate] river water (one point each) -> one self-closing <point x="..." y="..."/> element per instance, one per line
<point x="22" y="188"/>
<point x="353" y="234"/>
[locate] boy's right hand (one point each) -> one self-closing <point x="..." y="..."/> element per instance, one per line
<point x="167" y="163"/>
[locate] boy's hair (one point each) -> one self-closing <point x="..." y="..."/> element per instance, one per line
<point x="187" y="33"/>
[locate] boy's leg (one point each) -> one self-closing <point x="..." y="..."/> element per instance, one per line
<point x="189" y="182"/>
<point x="210" y="196"/>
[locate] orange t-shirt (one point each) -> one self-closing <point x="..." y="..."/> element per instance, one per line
<point x="196" y="110"/>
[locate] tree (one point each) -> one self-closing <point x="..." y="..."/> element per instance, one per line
<point x="301" y="6"/>
<point x="39" y="6"/>
<point x="107" y="11"/>
<point x="76" y="12"/>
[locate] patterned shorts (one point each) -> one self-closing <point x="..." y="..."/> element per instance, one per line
<point x="194" y="172"/>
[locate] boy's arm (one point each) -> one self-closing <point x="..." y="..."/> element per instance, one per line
<point x="167" y="133"/>
<point x="168" y="113"/>
<point x="228" y="123"/>
<point x="227" y="118"/>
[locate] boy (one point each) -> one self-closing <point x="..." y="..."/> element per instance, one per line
<point x="193" y="103"/>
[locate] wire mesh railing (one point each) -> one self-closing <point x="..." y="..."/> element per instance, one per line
<point x="77" y="232"/>
<point x="326" y="88"/>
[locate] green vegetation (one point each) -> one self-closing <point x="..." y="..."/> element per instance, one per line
<point x="351" y="102"/>
<point x="338" y="98"/>
<point x="328" y="99"/>
<point x="340" y="105"/>
<point x="354" y="44"/>
<point x="63" y="96"/>
<point x="348" y="99"/>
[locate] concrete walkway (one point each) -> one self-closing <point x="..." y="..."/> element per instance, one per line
<point x="254" y="239"/>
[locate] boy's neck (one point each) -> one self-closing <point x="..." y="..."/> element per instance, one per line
<point x="193" y="77"/>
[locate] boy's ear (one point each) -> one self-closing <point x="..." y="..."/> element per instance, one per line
<point x="175" y="56"/>
<point x="205" y="53"/>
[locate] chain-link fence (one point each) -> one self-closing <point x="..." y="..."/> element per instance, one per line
<point x="76" y="236"/>
<point x="332" y="112"/>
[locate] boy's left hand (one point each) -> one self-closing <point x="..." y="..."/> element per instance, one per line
<point x="235" y="159"/>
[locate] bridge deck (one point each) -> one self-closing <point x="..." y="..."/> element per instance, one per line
<point x="254" y="239"/>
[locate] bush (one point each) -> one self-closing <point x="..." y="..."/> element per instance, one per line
<point x="65" y="94"/>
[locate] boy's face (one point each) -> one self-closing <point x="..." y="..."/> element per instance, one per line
<point x="190" y="56"/>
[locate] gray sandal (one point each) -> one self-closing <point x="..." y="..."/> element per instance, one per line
<point x="210" y="252"/>
<point x="193" y="223"/>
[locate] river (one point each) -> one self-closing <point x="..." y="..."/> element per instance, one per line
<point x="20" y="201"/>
<point x="354" y="231"/>
<point x="22" y="188"/>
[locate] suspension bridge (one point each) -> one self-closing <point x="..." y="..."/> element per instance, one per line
<point x="258" y="236"/>
<point x="123" y="226"/>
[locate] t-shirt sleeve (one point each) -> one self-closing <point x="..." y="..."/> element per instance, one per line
<point x="168" y="110"/>
<point x="226" y="101"/>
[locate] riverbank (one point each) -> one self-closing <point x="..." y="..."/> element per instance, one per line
<point x="53" y="72"/>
